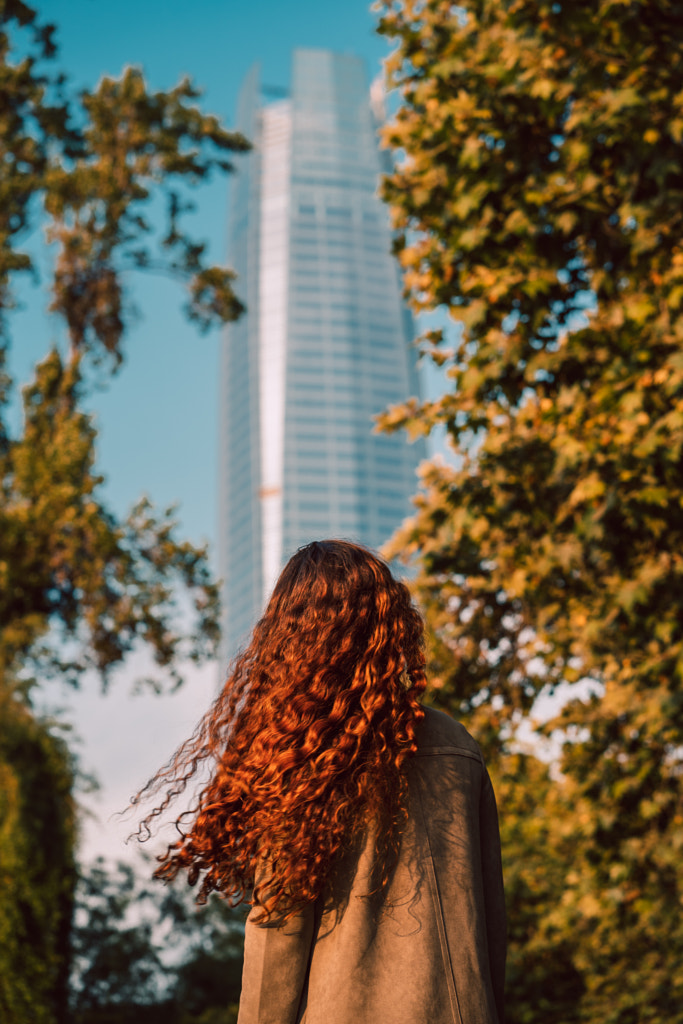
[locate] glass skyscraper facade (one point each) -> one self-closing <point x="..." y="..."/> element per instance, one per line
<point x="325" y="342"/>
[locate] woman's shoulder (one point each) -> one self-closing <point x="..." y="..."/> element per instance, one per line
<point x="437" y="732"/>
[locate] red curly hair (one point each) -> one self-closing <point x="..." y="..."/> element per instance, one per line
<point x="308" y="739"/>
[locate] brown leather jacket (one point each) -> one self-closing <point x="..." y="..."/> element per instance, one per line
<point x="434" y="951"/>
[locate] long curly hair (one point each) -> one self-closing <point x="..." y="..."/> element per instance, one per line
<point x="307" y="741"/>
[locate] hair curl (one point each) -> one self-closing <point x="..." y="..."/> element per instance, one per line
<point x="308" y="739"/>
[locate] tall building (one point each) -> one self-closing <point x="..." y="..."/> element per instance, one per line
<point x="325" y="342"/>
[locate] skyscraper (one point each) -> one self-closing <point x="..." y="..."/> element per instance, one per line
<point x="325" y="343"/>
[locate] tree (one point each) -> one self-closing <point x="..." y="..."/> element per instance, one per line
<point x="152" y="953"/>
<point x="80" y="587"/>
<point x="116" y="963"/>
<point x="67" y="563"/>
<point x="538" y="199"/>
<point x="37" y="870"/>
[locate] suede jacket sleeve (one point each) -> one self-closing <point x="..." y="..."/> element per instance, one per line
<point x="276" y="958"/>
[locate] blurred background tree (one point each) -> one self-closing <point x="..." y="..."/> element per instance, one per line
<point x="81" y="588"/>
<point x="538" y="201"/>
<point x="141" y="952"/>
<point x="37" y="865"/>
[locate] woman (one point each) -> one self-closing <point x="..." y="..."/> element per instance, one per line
<point x="361" y="826"/>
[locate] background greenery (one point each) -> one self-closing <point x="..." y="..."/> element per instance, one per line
<point x="37" y="865"/>
<point x="538" y="198"/>
<point x="80" y="587"/>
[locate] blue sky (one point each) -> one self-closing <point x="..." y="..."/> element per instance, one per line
<point x="158" y="418"/>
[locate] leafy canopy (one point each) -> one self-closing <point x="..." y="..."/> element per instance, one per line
<point x="89" y="168"/>
<point x="538" y="202"/>
<point x="79" y="587"/>
<point x="151" y="952"/>
<point x="37" y="869"/>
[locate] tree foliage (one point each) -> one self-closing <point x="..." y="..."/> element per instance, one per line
<point x="37" y="870"/>
<point x="538" y="199"/>
<point x="81" y="587"/>
<point x="152" y="953"/>
<point x="88" y="169"/>
<point x="78" y="588"/>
